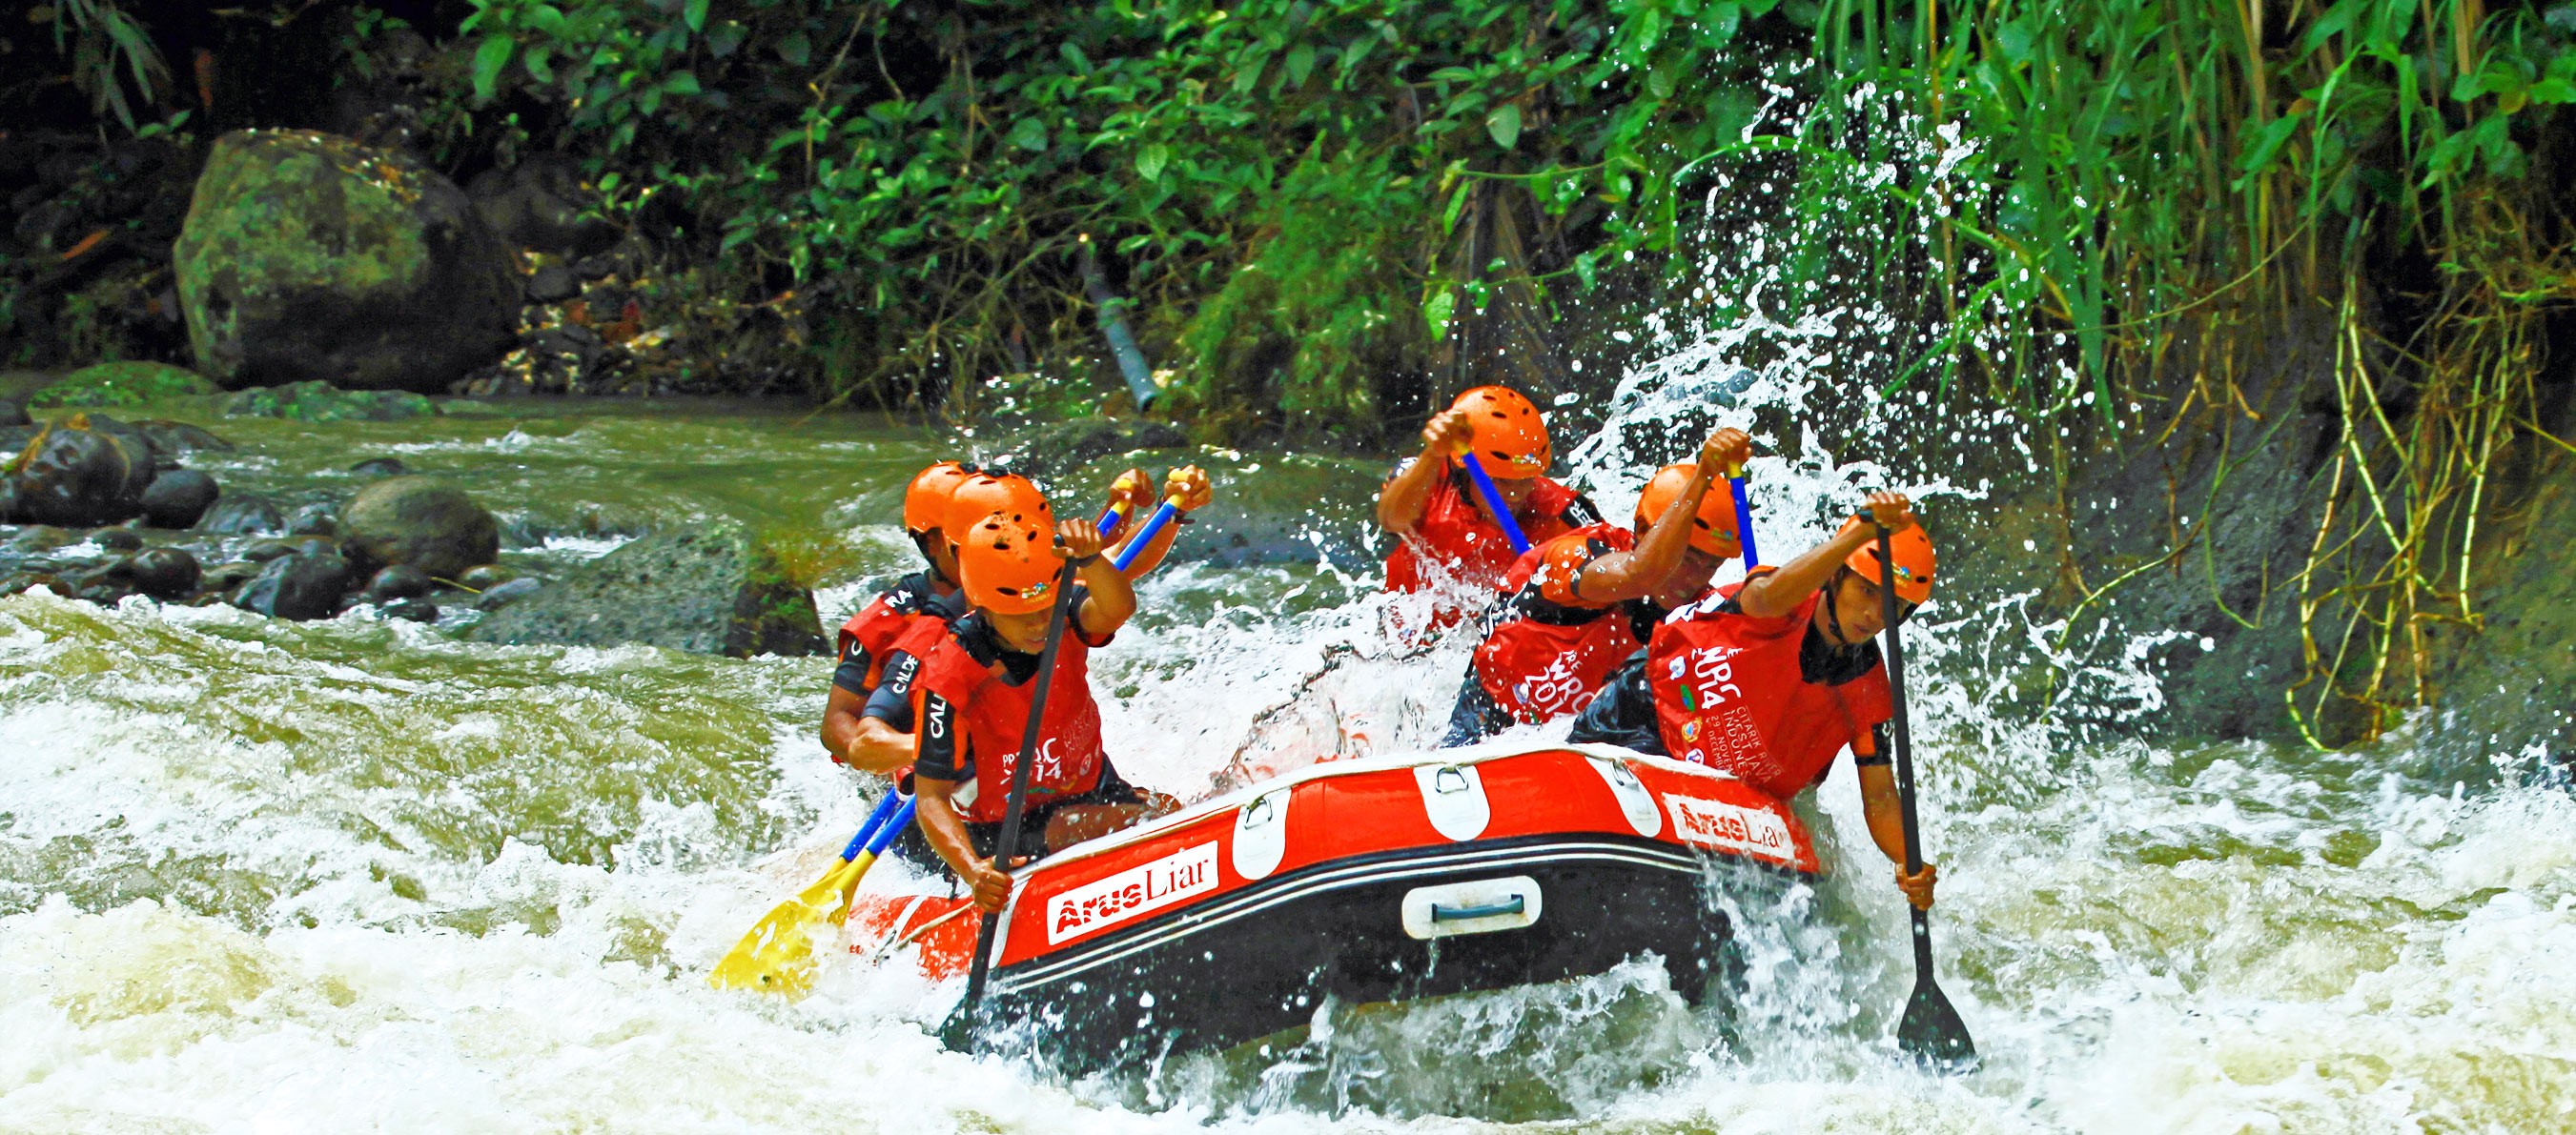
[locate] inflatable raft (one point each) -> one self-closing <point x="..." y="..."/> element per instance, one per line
<point x="1380" y="879"/>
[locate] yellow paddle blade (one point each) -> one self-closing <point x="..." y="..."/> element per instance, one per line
<point x="777" y="956"/>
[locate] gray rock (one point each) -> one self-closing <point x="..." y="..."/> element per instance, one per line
<point x="401" y="581"/>
<point x="223" y="579"/>
<point x="117" y="539"/>
<point x="485" y="577"/>
<point x="179" y="498"/>
<point x="14" y="413"/>
<point x="266" y="550"/>
<point x="316" y="519"/>
<point x="83" y="471"/>
<point x="243" y="515"/>
<point x="714" y="590"/>
<point x="309" y="256"/>
<point x="379" y="467"/>
<point x="502" y="595"/>
<point x="414" y="610"/>
<point x="300" y="587"/>
<point x="422" y="521"/>
<point x="551" y="284"/>
<point x="167" y="574"/>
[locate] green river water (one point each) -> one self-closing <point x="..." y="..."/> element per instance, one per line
<point x="358" y="874"/>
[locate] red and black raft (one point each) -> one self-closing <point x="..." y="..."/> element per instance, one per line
<point x="1380" y="879"/>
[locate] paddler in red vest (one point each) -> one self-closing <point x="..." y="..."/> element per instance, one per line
<point x="962" y="692"/>
<point x="1572" y="609"/>
<point x="1771" y="678"/>
<point x="1446" y="541"/>
<point x="932" y="595"/>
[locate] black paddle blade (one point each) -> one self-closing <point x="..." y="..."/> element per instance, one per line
<point x="957" y="1033"/>
<point x="1932" y="1032"/>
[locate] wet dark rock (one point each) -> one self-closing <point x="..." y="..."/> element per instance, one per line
<point x="308" y="256"/>
<point x="265" y="550"/>
<point x="714" y="590"/>
<point x="221" y="579"/>
<point x="179" y="498"/>
<point x="594" y="268"/>
<point x="485" y="577"/>
<point x="14" y="413"/>
<point x="167" y="574"/>
<point x="172" y="438"/>
<point x="415" y="610"/>
<point x="300" y="587"/>
<point x="316" y="519"/>
<point x="17" y="583"/>
<point x="503" y="594"/>
<point x="552" y="283"/>
<point x="116" y="539"/>
<point x="83" y="471"/>
<point x="422" y="521"/>
<point x="14" y="439"/>
<point x="541" y="204"/>
<point x="401" y="581"/>
<point x="319" y="401"/>
<point x="379" y="467"/>
<point x="243" y="515"/>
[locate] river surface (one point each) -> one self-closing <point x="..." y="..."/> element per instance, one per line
<point x="351" y="875"/>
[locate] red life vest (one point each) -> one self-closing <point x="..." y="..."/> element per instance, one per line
<point x="885" y="619"/>
<point x="1457" y="540"/>
<point x="994" y="714"/>
<point x="1728" y="695"/>
<point x="1538" y="671"/>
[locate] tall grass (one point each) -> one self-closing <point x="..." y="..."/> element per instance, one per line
<point x="2133" y="195"/>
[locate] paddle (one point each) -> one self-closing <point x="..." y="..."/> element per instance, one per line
<point x="968" y="1019"/>
<point x="1153" y="527"/>
<point x="1743" y="518"/>
<point x="777" y="955"/>
<point x="1931" y="1030"/>
<point x="1494" y="502"/>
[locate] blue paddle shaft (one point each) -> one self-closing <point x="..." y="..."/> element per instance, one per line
<point x="1153" y="527"/>
<point x="1494" y="502"/>
<point x="886" y="835"/>
<point x="876" y="820"/>
<point x="1108" y="517"/>
<point x="1744" y="521"/>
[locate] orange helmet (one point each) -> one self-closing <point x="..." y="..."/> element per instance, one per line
<point x="1712" y="531"/>
<point x="925" y="500"/>
<point x="1007" y="563"/>
<point x="1914" y="560"/>
<point x="1510" y="438"/>
<point x="983" y="494"/>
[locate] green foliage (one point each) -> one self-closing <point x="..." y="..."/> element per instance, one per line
<point x="108" y="51"/>
<point x="1273" y="171"/>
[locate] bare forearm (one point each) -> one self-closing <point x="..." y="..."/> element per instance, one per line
<point x="941" y="825"/>
<point x="1151" y="556"/>
<point x="1884" y="812"/>
<point x="1112" y="601"/>
<point x="1778" y="593"/>
<point x="1400" y="504"/>
<point x="1626" y="575"/>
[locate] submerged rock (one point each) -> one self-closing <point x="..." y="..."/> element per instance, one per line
<point x="379" y="467"/>
<point x="485" y="577"/>
<point x="116" y="539"/>
<point x="301" y="586"/>
<point x="502" y="595"/>
<point x="401" y="581"/>
<point x="316" y="519"/>
<point x="309" y="256"/>
<point x="173" y="438"/>
<point x="716" y="590"/>
<point x="167" y="574"/>
<point x="14" y="413"/>
<point x="179" y="498"/>
<point x="422" y="521"/>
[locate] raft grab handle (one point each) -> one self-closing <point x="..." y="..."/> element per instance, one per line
<point x="1514" y="905"/>
<point x="1475" y="906"/>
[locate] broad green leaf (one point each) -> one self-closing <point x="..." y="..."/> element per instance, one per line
<point x="681" y="83"/>
<point x="1437" y="310"/>
<point x="1151" y="160"/>
<point x="1301" y="59"/>
<point x="1505" y="125"/>
<point x="1029" y="134"/>
<point x="795" y="49"/>
<point x="493" y="55"/>
<point x="539" y="60"/>
<point x="695" y="14"/>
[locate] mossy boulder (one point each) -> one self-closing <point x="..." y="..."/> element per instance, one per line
<point x="118" y="385"/>
<point x="307" y="256"/>
<point x="424" y="522"/>
<point x="713" y="590"/>
<point x="318" y="401"/>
